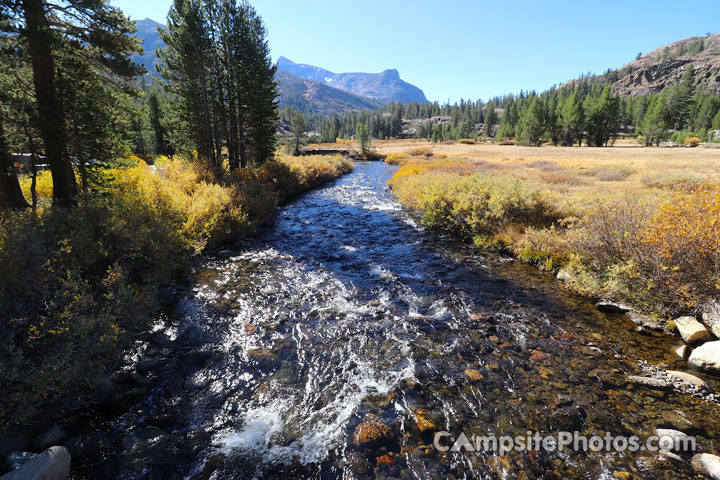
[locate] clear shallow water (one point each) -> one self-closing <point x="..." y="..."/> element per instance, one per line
<point x="346" y="311"/>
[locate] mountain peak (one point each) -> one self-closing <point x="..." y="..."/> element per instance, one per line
<point x="384" y="86"/>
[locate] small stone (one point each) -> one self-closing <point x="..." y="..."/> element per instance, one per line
<point x="591" y="351"/>
<point x="386" y="461"/>
<point x="622" y="475"/>
<point x="677" y="420"/>
<point x="669" y="439"/>
<point x="473" y="375"/>
<point x="647" y="381"/>
<point x="538" y="356"/>
<point x="688" y="378"/>
<point x="708" y="464"/>
<point x="249" y="328"/>
<point x="691" y="330"/>
<point x="683" y="351"/>
<point x="372" y="432"/>
<point x="17" y="459"/>
<point x="142" y="438"/>
<point x="423" y="424"/>
<point x="670" y="455"/>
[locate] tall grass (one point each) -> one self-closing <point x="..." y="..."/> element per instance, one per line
<point x="656" y="250"/>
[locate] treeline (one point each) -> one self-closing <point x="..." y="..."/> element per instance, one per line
<point x="581" y="112"/>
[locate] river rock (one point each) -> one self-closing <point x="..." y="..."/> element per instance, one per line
<point x="264" y="357"/>
<point x="12" y="444"/>
<point x="611" y="307"/>
<point x="52" y="464"/>
<point x="372" y="433"/>
<point x="141" y="438"/>
<point x="707" y="464"/>
<point x="645" y="321"/>
<point x="647" y="381"/>
<point x="706" y="355"/>
<point x="683" y="351"/>
<point x="55" y="436"/>
<point x="677" y="420"/>
<point x="691" y="330"/>
<point x="85" y="446"/>
<point x="711" y="316"/>
<point x="669" y="439"/>
<point x="473" y="375"/>
<point x="689" y="378"/>
<point x="17" y="459"/>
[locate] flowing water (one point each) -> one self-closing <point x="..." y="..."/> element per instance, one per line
<point x="347" y="312"/>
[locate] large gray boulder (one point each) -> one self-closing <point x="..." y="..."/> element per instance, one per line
<point x="691" y="330"/>
<point x="707" y="464"/>
<point x="52" y="464"/>
<point x="711" y="316"/>
<point x="706" y="356"/>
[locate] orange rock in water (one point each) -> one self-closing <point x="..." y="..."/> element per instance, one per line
<point x="473" y="375"/>
<point x="249" y="328"/>
<point x="372" y="432"/>
<point x="538" y="356"/>
<point x="386" y="461"/>
<point x="423" y="424"/>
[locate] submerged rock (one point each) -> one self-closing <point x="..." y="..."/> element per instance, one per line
<point x="473" y="375"/>
<point x="707" y="464"/>
<point x="669" y="439"/>
<point x="688" y="378"/>
<point x="141" y="438"/>
<point x="706" y="355"/>
<point x="372" y="433"/>
<point x="52" y="464"/>
<point x="647" y="381"/>
<point x="691" y="330"/>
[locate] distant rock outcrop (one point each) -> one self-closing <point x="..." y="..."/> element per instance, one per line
<point x="664" y="66"/>
<point x="384" y="86"/>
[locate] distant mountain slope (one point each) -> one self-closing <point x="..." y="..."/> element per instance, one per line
<point x="303" y="94"/>
<point x="663" y="66"/>
<point x="384" y="86"/>
<point x="147" y="31"/>
<point x="315" y="97"/>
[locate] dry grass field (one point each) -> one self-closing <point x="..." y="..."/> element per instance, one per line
<point x="636" y="224"/>
<point x="623" y="168"/>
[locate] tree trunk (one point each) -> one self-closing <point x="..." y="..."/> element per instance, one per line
<point x="10" y="194"/>
<point x="50" y="114"/>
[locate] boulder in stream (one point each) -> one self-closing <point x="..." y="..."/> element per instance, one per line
<point x="706" y="356"/>
<point x="711" y="316"/>
<point x="707" y="464"/>
<point x="611" y="307"/>
<point x="691" y="330"/>
<point x="372" y="433"/>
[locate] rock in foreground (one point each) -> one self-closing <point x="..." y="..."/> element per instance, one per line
<point x="706" y="355"/>
<point x="691" y="330"/>
<point x="707" y="464"/>
<point x="52" y="464"/>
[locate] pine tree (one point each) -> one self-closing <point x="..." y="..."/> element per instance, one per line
<point x="573" y="120"/>
<point x="63" y="37"/>
<point x="655" y="124"/>
<point x="533" y="122"/>
<point x="298" y="126"/>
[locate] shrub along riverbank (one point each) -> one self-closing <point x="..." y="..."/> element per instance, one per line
<point x="76" y="285"/>
<point x="657" y="250"/>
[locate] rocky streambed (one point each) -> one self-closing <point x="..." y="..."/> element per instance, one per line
<point x="341" y="340"/>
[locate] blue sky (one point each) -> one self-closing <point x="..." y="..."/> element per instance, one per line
<point x="468" y="49"/>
